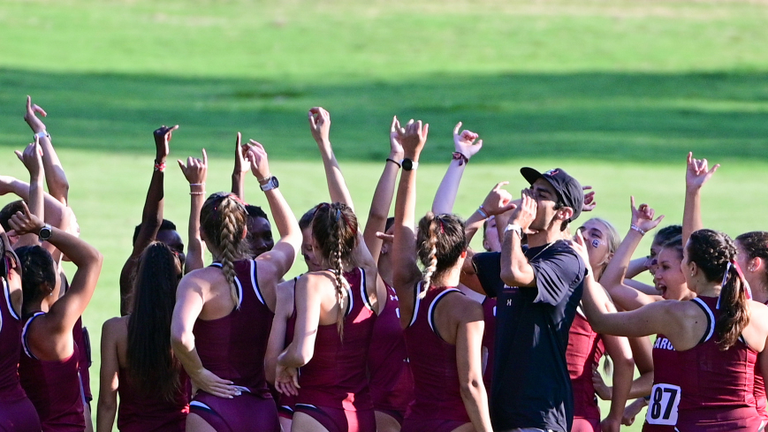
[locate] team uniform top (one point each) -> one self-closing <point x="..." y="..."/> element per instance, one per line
<point x="433" y="362"/>
<point x="140" y="412"/>
<point x="233" y="347"/>
<point x="714" y="379"/>
<point x="337" y="374"/>
<point x="391" y="381"/>
<point x="53" y="387"/>
<point x="668" y="369"/>
<point x="10" y="341"/>
<point x="585" y="349"/>
<point x="489" y="339"/>
<point x="531" y="387"/>
<point x="760" y="399"/>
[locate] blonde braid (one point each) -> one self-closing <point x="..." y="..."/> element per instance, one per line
<point x="431" y="262"/>
<point x="229" y="241"/>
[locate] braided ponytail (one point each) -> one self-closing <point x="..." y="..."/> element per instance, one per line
<point x="223" y="221"/>
<point x="334" y="228"/>
<point x="440" y="242"/>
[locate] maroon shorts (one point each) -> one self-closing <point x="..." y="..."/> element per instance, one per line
<point x="432" y="425"/>
<point x="339" y="419"/>
<point x="704" y="420"/>
<point x="246" y="413"/>
<point x="18" y="416"/>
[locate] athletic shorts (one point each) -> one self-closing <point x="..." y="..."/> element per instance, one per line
<point x="244" y="413"/>
<point x="19" y="416"/>
<point x="338" y="419"/>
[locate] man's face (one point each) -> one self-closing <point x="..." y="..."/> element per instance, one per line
<point x="546" y="199"/>
<point x="259" y="235"/>
<point x="172" y="239"/>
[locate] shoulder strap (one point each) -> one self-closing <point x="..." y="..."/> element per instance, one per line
<point x="433" y="308"/>
<point x="710" y="319"/>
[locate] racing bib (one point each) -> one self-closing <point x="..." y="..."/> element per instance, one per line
<point x="662" y="408"/>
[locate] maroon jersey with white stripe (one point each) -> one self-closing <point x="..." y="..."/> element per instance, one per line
<point x="53" y="387"/>
<point x="10" y="348"/>
<point x="337" y="374"/>
<point x="233" y="347"/>
<point x="667" y="368"/>
<point x="585" y="349"/>
<point x="391" y="381"/>
<point x="433" y="362"/>
<point x="489" y="339"/>
<point x="712" y="378"/>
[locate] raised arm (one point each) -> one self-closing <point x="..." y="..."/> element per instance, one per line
<point x="54" y="210"/>
<point x="613" y="276"/>
<point x="465" y="145"/>
<point x="320" y="126"/>
<point x="696" y="175"/>
<point x="382" y="196"/>
<point x="62" y="315"/>
<point x="32" y="159"/>
<point x="274" y="264"/>
<point x="515" y="268"/>
<point x="58" y="186"/>
<point x="405" y="271"/>
<point x="152" y="215"/>
<point x="242" y="166"/>
<point x="196" y="172"/>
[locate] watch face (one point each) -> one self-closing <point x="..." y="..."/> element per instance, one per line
<point x="407" y="164"/>
<point x="275" y="182"/>
<point x="45" y="233"/>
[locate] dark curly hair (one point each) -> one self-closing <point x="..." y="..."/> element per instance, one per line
<point x="37" y="269"/>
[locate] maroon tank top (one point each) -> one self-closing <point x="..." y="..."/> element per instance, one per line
<point x="233" y="347"/>
<point x="489" y="339"/>
<point x="10" y="348"/>
<point x="433" y="362"/>
<point x="585" y="349"/>
<point x="79" y="334"/>
<point x="713" y="378"/>
<point x="53" y="387"/>
<point x="337" y="374"/>
<point x="148" y="413"/>
<point x="391" y="381"/>
<point x="664" y="403"/>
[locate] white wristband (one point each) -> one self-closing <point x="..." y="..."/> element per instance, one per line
<point x="515" y="228"/>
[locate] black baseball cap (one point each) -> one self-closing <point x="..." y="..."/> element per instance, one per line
<point x="568" y="189"/>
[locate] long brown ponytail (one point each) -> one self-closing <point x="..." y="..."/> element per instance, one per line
<point x="714" y="253"/>
<point x="439" y="242"/>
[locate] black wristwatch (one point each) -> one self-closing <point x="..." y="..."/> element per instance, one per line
<point x="271" y="184"/>
<point x="409" y="164"/>
<point x="45" y="233"/>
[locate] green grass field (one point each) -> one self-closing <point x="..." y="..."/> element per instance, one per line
<point x="615" y="92"/>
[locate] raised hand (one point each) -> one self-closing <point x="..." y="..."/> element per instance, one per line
<point x="287" y="380"/>
<point x="395" y="147"/>
<point x="195" y="170"/>
<point x="525" y="213"/>
<point x="413" y="137"/>
<point x="32" y="157"/>
<point x="320" y="125"/>
<point x="698" y="173"/>
<point x="589" y="199"/>
<point x="242" y="164"/>
<point x="163" y="136"/>
<point x="498" y="200"/>
<point x="259" y="161"/>
<point x="642" y="217"/>
<point x="580" y="246"/>
<point x="31" y="116"/>
<point x="464" y="142"/>
<point x="24" y="222"/>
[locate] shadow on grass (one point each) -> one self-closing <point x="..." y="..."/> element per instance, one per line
<point x="609" y="116"/>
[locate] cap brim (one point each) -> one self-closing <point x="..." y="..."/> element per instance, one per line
<point x="530" y="174"/>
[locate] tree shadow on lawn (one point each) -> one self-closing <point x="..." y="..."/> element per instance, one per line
<point x="636" y="117"/>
